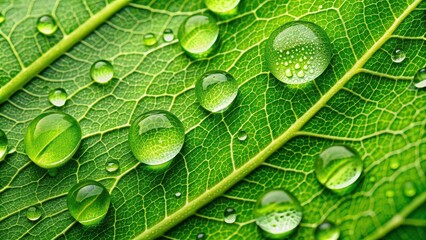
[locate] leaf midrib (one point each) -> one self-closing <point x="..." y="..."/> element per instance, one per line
<point x="66" y="43"/>
<point x="189" y="209"/>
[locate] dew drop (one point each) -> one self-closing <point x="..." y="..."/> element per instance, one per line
<point x="112" y="165"/>
<point x="2" y="19"/>
<point x="178" y="194"/>
<point x="47" y="25"/>
<point x="295" y="38"/>
<point x="394" y="163"/>
<point x="201" y="236"/>
<point x="288" y="72"/>
<point x="398" y="55"/>
<point x="168" y="35"/>
<point x="149" y="39"/>
<point x="88" y="202"/>
<point x="58" y="97"/>
<point x="33" y="213"/>
<point x="420" y="78"/>
<point x="230" y="215"/>
<point x="301" y="73"/>
<point x="102" y="71"/>
<point x="327" y="231"/>
<point x="199" y="35"/>
<point x="3" y="145"/>
<point x="372" y="179"/>
<point x="224" y="8"/>
<point x="338" y="168"/>
<point x="286" y="64"/>
<point x="409" y="189"/>
<point x="242" y="135"/>
<point x="216" y="90"/>
<point x="390" y="193"/>
<point x="278" y="213"/>
<point x="156" y="137"/>
<point x="51" y="139"/>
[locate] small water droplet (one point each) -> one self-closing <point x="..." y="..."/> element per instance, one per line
<point x="230" y="215"/>
<point x="297" y="66"/>
<point x="112" y="165"/>
<point x="47" y="25"/>
<point x="320" y="7"/>
<point x="420" y="78"/>
<point x="301" y="73"/>
<point x="178" y="194"/>
<point x="288" y="72"/>
<point x="58" y="97"/>
<point x="389" y="193"/>
<point x="305" y="67"/>
<point x="2" y="19"/>
<point x="286" y="64"/>
<point x="327" y="231"/>
<point x="3" y="145"/>
<point x="338" y="168"/>
<point x="102" y="71"/>
<point x="409" y="189"/>
<point x="394" y="163"/>
<point x="398" y="55"/>
<point x="168" y="35"/>
<point x="201" y="236"/>
<point x="242" y="135"/>
<point x="372" y="179"/>
<point x="33" y="213"/>
<point x="149" y="39"/>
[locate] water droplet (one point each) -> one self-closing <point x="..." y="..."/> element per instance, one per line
<point x="297" y="38"/>
<point x="242" y="135"/>
<point x="156" y="137"/>
<point x="33" y="213"/>
<point x="199" y="35"/>
<point x="327" y="231"/>
<point x="58" y="97"/>
<point x="389" y="193"/>
<point x="394" y="163"/>
<point x="178" y="194"/>
<point x="420" y="78"/>
<point x="398" y="55"/>
<point x="320" y="7"/>
<point x="286" y="64"/>
<point x="278" y="213"/>
<point x="301" y="73"/>
<point x="338" y="168"/>
<point x="168" y="35"/>
<point x="149" y="39"/>
<point x="47" y="25"/>
<point x="112" y="166"/>
<point x="230" y="215"/>
<point x="52" y="138"/>
<point x="101" y="71"/>
<point x="3" y="145"/>
<point x="216" y="90"/>
<point x="201" y="236"/>
<point x="2" y="19"/>
<point x="225" y="8"/>
<point x="288" y="72"/>
<point x="372" y="179"/>
<point x="88" y="202"/>
<point x="409" y="189"/>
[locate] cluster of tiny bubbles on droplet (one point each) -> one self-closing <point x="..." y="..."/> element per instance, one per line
<point x="297" y="61"/>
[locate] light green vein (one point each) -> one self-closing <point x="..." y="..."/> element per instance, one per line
<point x="229" y="181"/>
<point x="68" y="41"/>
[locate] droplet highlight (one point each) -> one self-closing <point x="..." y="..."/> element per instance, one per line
<point x="278" y="213"/>
<point x="156" y="137"/>
<point x="168" y="35"/>
<point x="338" y="168"/>
<point x="88" y="202"/>
<point x="3" y="145"/>
<point x="216" y="90"/>
<point x="230" y="215"/>
<point x="102" y="71"/>
<point x="302" y="41"/>
<point x="112" y="166"/>
<point x="33" y="213"/>
<point x="398" y="55"/>
<point x="327" y="231"/>
<point x="149" y="39"/>
<point x="420" y="78"/>
<point x="47" y="25"/>
<point x="51" y="139"/>
<point x="58" y="97"/>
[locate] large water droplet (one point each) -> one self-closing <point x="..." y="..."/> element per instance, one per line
<point x="398" y="55"/>
<point x="3" y="145"/>
<point x="102" y="71"/>
<point x="230" y="215"/>
<point x="278" y="213"/>
<point x="327" y="231"/>
<point x="223" y="8"/>
<point x="149" y="39"/>
<point x="52" y="138"/>
<point x="47" y="25"/>
<point x="112" y="166"/>
<point x="242" y="135"/>
<point x="88" y="202"/>
<point x="338" y="168"/>
<point x="199" y="35"/>
<point x="168" y="35"/>
<point x="156" y="137"/>
<point x="33" y="213"/>
<point x="420" y="78"/>
<point x="216" y="90"/>
<point x="58" y="97"/>
<point x="300" y="39"/>
<point x="409" y="189"/>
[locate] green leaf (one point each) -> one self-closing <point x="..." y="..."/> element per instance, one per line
<point x="363" y="100"/>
